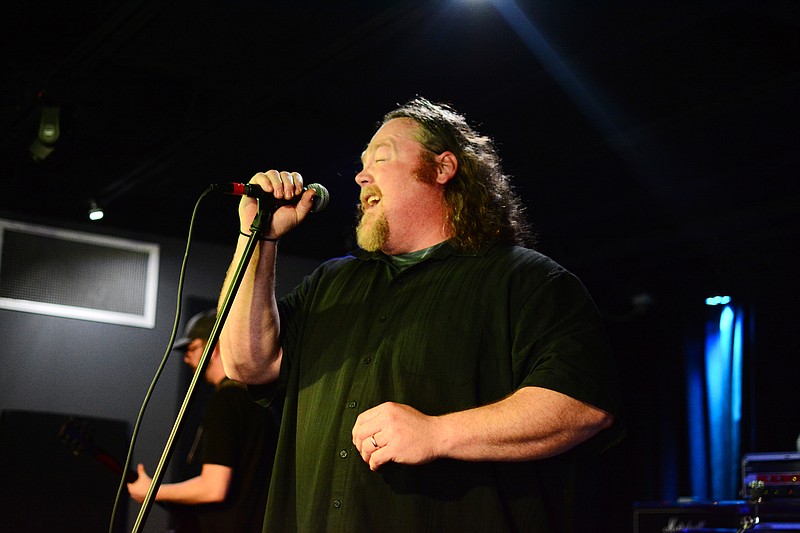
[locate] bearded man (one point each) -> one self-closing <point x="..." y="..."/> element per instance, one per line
<point x="444" y="377"/>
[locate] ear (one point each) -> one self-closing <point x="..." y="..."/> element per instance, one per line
<point x="446" y="167"/>
<point x="216" y="353"/>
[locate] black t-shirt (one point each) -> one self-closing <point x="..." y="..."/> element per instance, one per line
<point x="241" y="434"/>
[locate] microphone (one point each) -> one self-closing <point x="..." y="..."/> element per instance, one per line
<point x="320" y="201"/>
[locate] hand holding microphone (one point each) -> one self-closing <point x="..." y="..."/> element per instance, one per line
<point x="290" y="190"/>
<point x="253" y="190"/>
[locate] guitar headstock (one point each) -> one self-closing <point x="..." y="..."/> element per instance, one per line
<point x="77" y="434"/>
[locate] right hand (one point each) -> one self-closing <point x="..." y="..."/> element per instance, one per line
<point x="282" y="185"/>
<point x="139" y="488"/>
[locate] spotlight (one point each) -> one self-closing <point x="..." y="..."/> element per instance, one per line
<point x="49" y="132"/>
<point x="95" y="212"/>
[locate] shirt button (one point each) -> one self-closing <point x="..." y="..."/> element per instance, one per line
<point x="352" y="405"/>
<point x="343" y="454"/>
<point x="382" y="319"/>
<point x="367" y="360"/>
<point x="337" y="503"/>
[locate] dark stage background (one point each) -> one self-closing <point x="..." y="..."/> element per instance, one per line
<point x="655" y="145"/>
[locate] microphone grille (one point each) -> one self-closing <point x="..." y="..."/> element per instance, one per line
<point x="321" y="197"/>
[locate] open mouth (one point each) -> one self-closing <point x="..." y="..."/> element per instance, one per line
<point x="368" y="201"/>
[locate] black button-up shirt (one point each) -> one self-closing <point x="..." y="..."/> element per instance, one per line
<point x="449" y="333"/>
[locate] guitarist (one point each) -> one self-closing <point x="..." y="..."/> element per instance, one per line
<point x="237" y="446"/>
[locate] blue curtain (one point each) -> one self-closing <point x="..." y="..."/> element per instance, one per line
<point x="714" y="399"/>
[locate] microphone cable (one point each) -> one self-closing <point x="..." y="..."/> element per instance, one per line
<point x="181" y="278"/>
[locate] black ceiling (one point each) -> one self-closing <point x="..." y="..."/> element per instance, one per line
<point x="648" y="139"/>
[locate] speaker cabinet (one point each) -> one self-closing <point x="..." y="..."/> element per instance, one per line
<point x="55" y="473"/>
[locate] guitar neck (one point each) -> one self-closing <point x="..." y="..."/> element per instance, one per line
<point x="115" y="466"/>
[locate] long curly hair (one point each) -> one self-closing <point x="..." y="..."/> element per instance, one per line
<point x="482" y="204"/>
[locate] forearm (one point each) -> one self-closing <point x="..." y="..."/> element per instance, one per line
<point x="210" y="486"/>
<point x="533" y="423"/>
<point x="250" y="339"/>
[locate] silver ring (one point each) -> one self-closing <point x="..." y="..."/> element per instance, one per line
<point x="372" y="440"/>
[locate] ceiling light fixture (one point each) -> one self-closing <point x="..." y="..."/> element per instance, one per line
<point x="95" y="212"/>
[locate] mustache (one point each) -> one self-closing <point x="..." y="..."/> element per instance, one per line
<point x="367" y="191"/>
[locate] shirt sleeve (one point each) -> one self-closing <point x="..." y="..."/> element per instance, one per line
<point x="561" y="344"/>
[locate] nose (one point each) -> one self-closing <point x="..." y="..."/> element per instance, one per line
<point x="363" y="178"/>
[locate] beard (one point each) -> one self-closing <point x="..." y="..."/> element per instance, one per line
<point x="372" y="236"/>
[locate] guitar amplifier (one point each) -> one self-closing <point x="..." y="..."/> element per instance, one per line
<point x="773" y="476"/>
<point x="688" y="516"/>
<point x="771" y="482"/>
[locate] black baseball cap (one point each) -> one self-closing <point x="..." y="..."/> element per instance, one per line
<point x="198" y="327"/>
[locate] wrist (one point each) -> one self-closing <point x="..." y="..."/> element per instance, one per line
<point x="444" y="436"/>
<point x="243" y="234"/>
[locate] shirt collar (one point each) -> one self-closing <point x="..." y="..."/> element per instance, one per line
<point x="446" y="250"/>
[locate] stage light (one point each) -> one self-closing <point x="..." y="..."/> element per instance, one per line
<point x="95" y="212"/>
<point x="49" y="132"/>
<point x="718" y="300"/>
